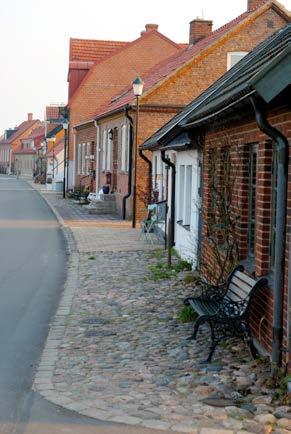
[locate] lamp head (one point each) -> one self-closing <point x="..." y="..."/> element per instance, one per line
<point x="137" y="85"/>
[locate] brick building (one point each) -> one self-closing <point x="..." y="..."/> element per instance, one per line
<point x="100" y="69"/>
<point x="12" y="140"/>
<point x="243" y="121"/>
<point x="168" y="87"/>
<point x="218" y="53"/>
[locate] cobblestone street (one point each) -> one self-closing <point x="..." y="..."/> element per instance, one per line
<point x="118" y="352"/>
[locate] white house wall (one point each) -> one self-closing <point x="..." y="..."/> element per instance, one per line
<point x="187" y="237"/>
<point x="186" y="241"/>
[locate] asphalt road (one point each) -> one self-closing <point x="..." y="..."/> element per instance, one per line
<point x="32" y="273"/>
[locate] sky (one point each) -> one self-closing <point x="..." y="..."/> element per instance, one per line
<point x="34" y="41"/>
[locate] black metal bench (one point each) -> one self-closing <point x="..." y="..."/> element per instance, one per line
<point x="226" y="308"/>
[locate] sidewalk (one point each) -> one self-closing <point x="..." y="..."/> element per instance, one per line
<point x="117" y="352"/>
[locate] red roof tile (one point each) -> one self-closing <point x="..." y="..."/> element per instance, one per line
<point x="92" y="50"/>
<point x="24" y="126"/>
<point x="52" y="112"/>
<point x="169" y="66"/>
<point x="37" y="132"/>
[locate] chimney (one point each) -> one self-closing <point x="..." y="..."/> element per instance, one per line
<point x="29" y="116"/>
<point x="255" y="4"/>
<point x="199" y="29"/>
<point x="149" y="28"/>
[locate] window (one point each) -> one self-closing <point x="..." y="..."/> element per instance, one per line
<point x="273" y="209"/>
<point x="181" y="192"/>
<point x="87" y="158"/>
<point x="104" y="150"/>
<point x="83" y="158"/>
<point x="123" y="148"/>
<point x="253" y="163"/>
<point x="185" y="195"/>
<point x="234" y="57"/>
<point x="79" y="158"/>
<point x="109" y="150"/>
<point x="155" y="172"/>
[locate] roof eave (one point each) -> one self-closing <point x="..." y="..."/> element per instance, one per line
<point x="275" y="77"/>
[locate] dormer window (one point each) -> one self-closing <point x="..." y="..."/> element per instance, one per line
<point x="234" y="57"/>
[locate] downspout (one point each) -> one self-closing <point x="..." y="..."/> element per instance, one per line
<point x="140" y="151"/>
<point x="173" y="193"/>
<point x="282" y="184"/>
<point x="128" y="194"/>
<point x="97" y="156"/>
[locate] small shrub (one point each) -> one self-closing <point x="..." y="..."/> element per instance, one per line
<point x="187" y="314"/>
<point x="189" y="278"/>
<point x="182" y="265"/>
<point x="160" y="271"/>
<point x="158" y="253"/>
<point x="279" y="382"/>
<point x="92" y="257"/>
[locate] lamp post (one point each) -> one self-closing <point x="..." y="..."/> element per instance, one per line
<point x="65" y="127"/>
<point x="137" y="85"/>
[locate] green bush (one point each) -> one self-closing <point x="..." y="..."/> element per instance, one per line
<point x="182" y="265"/>
<point x="187" y="314"/>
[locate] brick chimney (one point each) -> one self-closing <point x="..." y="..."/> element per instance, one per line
<point x="255" y="4"/>
<point x="149" y="28"/>
<point x="29" y="116"/>
<point x="199" y="29"/>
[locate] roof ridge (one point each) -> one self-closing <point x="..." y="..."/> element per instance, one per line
<point x="99" y="40"/>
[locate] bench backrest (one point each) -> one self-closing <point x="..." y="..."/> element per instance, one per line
<point x="241" y="288"/>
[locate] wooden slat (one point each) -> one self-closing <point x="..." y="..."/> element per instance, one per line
<point x="203" y="307"/>
<point x="244" y="286"/>
<point x="235" y="293"/>
<point x="245" y="278"/>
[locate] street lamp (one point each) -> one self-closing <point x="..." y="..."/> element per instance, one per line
<point x="65" y="127"/>
<point x="137" y="85"/>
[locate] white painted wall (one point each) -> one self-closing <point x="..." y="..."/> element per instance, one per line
<point x="187" y="240"/>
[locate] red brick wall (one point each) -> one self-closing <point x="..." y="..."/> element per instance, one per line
<point x="211" y="63"/>
<point x="239" y="137"/>
<point x="192" y="79"/>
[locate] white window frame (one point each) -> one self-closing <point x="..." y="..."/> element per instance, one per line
<point x="79" y="158"/>
<point x="104" y="150"/>
<point x="83" y="158"/>
<point x="124" y="164"/>
<point x="231" y="54"/>
<point x="181" y="192"/>
<point x="185" y="194"/>
<point x="108" y="152"/>
<point x="87" y="159"/>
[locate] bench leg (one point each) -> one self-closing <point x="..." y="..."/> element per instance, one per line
<point x="195" y="331"/>
<point x="214" y="343"/>
<point x="212" y="349"/>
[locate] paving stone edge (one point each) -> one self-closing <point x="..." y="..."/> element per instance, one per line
<point x="43" y="381"/>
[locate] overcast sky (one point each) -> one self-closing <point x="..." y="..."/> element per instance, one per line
<point x="34" y="40"/>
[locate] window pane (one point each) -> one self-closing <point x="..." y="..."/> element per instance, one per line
<point x="181" y="192"/>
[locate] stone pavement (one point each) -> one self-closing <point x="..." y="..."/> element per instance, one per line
<point x="117" y="352"/>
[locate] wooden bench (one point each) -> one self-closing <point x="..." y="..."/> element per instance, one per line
<point x="226" y="308"/>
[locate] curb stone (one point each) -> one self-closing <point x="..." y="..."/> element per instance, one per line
<point x="43" y="381"/>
